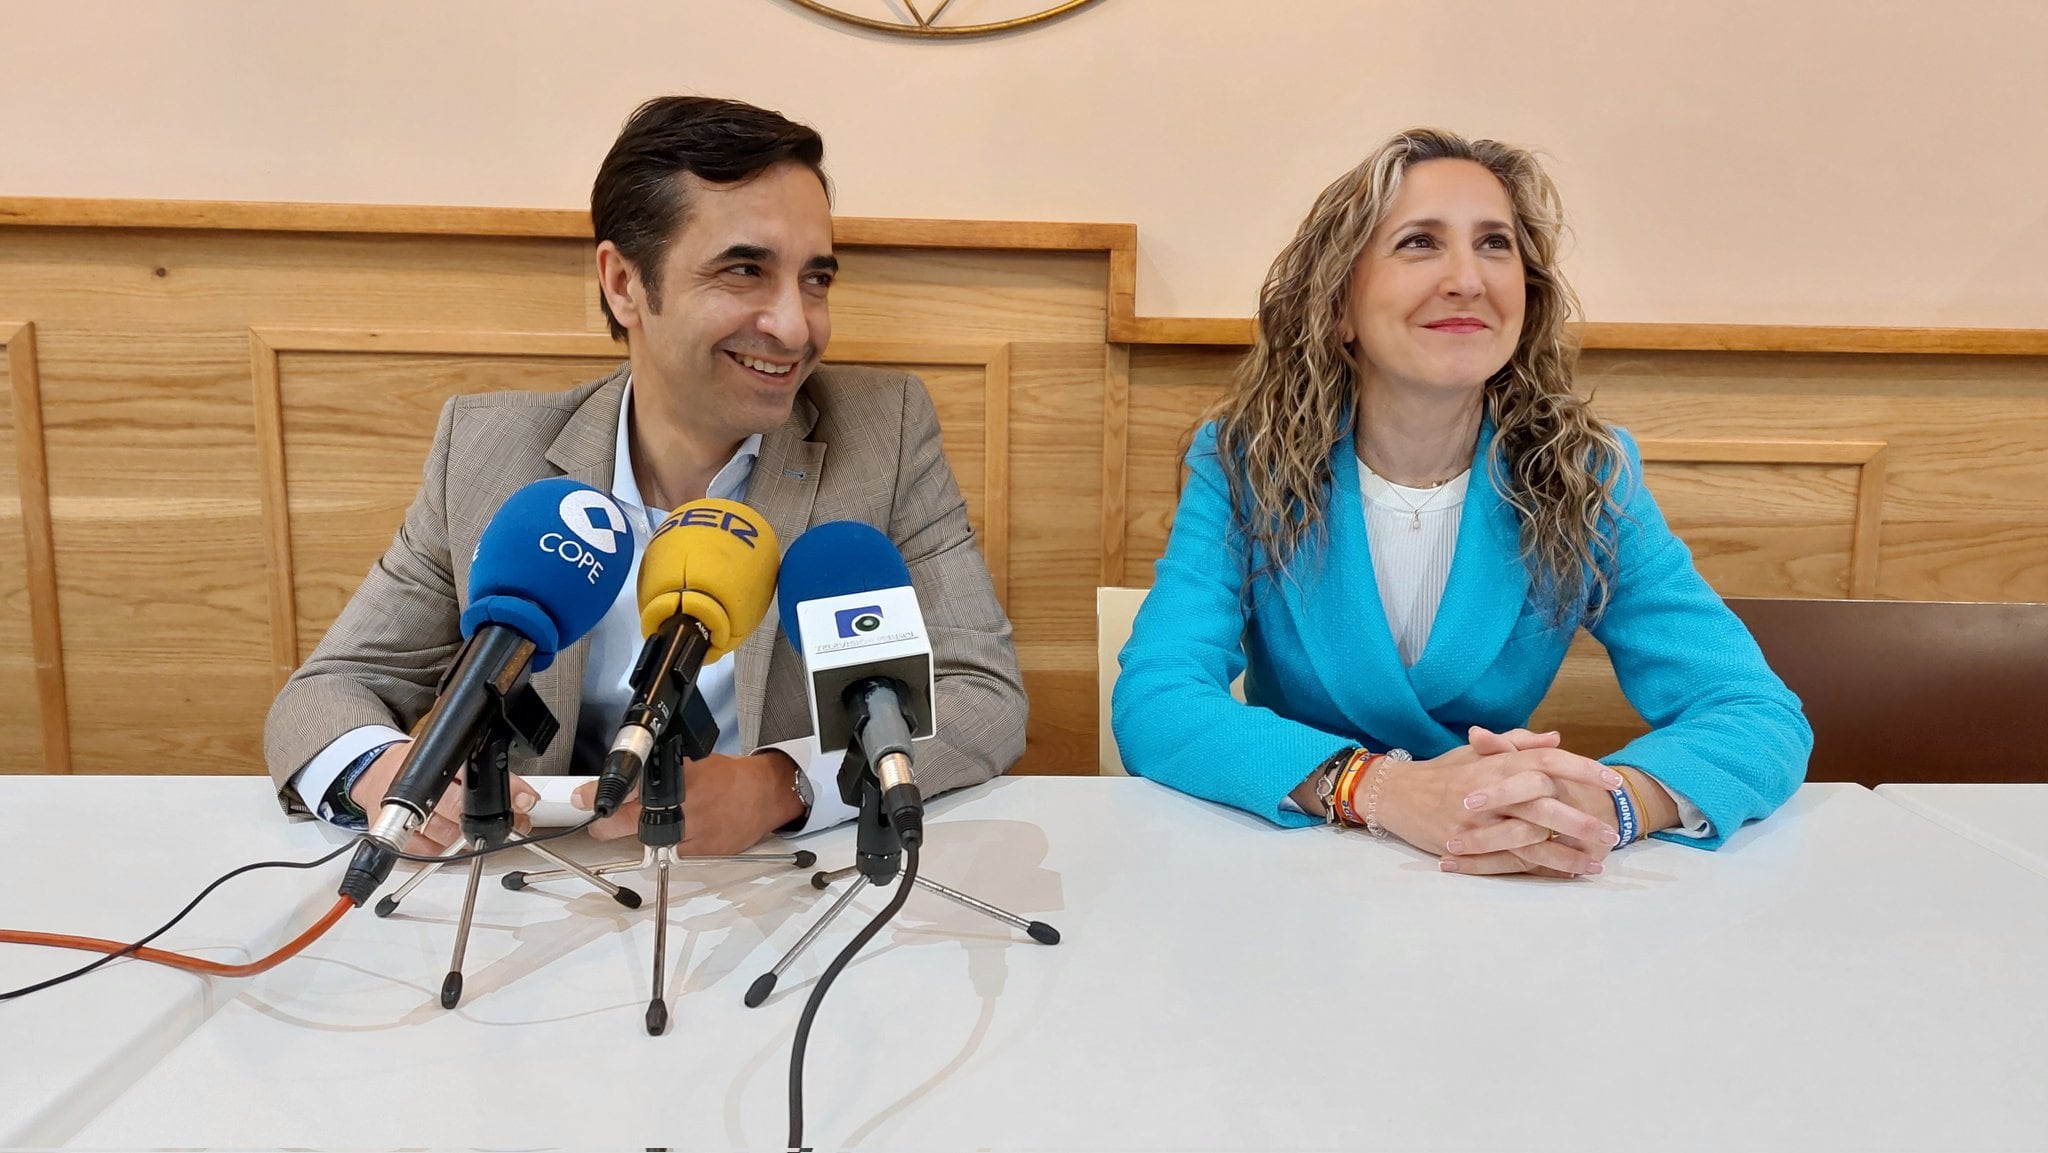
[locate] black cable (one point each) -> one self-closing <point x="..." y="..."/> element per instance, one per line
<point x="845" y="957"/>
<point x="230" y="875"/>
<point x="223" y="879"/>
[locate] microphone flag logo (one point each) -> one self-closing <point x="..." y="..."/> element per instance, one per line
<point x="855" y="621"/>
<point x="581" y="512"/>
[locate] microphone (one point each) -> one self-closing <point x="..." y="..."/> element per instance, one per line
<point x="850" y="612"/>
<point x="550" y="563"/>
<point x="705" y="582"/>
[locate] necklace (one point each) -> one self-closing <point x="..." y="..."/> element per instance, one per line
<point x="1415" y="510"/>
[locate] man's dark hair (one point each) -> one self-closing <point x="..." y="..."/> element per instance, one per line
<point x="637" y="203"/>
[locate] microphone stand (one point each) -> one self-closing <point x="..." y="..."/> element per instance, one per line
<point x="878" y="855"/>
<point x="487" y="821"/>
<point x="692" y="735"/>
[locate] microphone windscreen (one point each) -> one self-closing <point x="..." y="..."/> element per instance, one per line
<point x="549" y="565"/>
<point x="837" y="558"/>
<point x="715" y="560"/>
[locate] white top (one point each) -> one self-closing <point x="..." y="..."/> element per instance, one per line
<point x="1844" y="975"/>
<point x="1414" y="536"/>
<point x="614" y="648"/>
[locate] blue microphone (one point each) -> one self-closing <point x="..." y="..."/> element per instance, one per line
<point x="546" y="570"/>
<point x="835" y="559"/>
<point x="850" y="611"/>
<point x="549" y="565"/>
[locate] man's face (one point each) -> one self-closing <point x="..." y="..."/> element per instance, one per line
<point x="743" y="316"/>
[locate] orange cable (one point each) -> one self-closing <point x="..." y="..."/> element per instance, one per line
<point x="180" y="960"/>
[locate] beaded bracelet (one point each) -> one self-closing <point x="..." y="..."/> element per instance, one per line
<point x="1392" y="757"/>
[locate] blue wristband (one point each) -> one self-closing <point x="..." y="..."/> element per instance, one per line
<point x="1625" y="817"/>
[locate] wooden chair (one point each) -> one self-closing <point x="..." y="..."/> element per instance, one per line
<point x="1115" y="608"/>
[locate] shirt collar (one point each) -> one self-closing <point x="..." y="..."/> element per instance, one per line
<point x="729" y="484"/>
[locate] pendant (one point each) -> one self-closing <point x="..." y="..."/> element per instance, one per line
<point x="1415" y="525"/>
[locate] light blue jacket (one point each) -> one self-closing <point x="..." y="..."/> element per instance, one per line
<point x="1321" y="670"/>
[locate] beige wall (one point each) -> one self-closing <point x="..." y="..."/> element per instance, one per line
<point x="1863" y="162"/>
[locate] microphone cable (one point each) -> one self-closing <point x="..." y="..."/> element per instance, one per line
<point x="115" y="950"/>
<point x="803" y="1026"/>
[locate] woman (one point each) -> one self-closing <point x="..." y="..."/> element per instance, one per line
<point x="1394" y="523"/>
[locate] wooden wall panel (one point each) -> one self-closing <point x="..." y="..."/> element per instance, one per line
<point x="356" y="430"/>
<point x="157" y="526"/>
<point x="34" y="734"/>
<point x="1056" y="512"/>
<point x="1796" y="462"/>
<point x="1966" y="472"/>
<point x="960" y="396"/>
<point x="972" y="297"/>
<point x="1169" y="388"/>
<point x="179" y="282"/>
<point x="1763" y="529"/>
<point x="970" y="390"/>
<point x="153" y="461"/>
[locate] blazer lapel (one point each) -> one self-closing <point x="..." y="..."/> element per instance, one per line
<point x="584" y="450"/>
<point x="783" y="488"/>
<point x="1484" y="594"/>
<point x="1336" y="604"/>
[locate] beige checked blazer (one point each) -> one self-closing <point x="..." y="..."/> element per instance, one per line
<point x="860" y="444"/>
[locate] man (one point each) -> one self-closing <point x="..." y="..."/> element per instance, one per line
<point x="714" y="257"/>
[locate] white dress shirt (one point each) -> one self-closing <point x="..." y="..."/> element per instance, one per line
<point x="614" y="648"/>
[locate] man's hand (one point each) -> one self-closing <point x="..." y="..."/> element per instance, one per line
<point x="444" y="825"/>
<point x="729" y="804"/>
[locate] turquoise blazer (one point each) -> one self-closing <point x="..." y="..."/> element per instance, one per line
<point x="1321" y="671"/>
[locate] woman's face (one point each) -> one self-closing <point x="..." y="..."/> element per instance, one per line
<point x="1437" y="295"/>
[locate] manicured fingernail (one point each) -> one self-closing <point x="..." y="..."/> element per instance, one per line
<point x="1456" y="846"/>
<point x="1609" y="837"/>
<point x="1612" y="778"/>
<point x="1595" y="867"/>
<point x="578" y="800"/>
<point x="1476" y="801"/>
<point x="1447" y="865"/>
<point x="524" y="802"/>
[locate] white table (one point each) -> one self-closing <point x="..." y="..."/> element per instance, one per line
<point x="1845" y="975"/>
<point x="2009" y="819"/>
<point x="115" y="857"/>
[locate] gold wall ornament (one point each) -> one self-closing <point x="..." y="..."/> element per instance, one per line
<point x="923" y="17"/>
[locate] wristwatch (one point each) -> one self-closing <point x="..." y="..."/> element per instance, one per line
<point x="801" y="785"/>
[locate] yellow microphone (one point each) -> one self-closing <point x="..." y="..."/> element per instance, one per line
<point x="706" y="580"/>
<point x="713" y="561"/>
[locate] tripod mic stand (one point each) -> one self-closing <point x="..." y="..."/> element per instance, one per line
<point x="878" y="855"/>
<point x="487" y="823"/>
<point x="692" y="735"/>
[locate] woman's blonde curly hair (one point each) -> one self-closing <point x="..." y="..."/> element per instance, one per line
<point x="1294" y="393"/>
